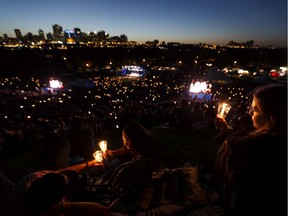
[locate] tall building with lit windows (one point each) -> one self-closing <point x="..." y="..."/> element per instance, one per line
<point x="78" y="33"/>
<point x="58" y="31"/>
<point x="69" y="34"/>
<point x="102" y="35"/>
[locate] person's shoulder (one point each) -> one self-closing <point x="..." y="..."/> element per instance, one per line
<point x="84" y="208"/>
<point x="240" y="135"/>
<point x="25" y="182"/>
<point x="139" y="164"/>
<point x="31" y="177"/>
<point x="143" y="160"/>
<point x="138" y="160"/>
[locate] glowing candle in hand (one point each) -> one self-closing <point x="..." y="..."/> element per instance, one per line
<point x="103" y="146"/>
<point x="223" y="109"/>
<point x="98" y="156"/>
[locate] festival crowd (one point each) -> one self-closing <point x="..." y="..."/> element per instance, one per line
<point x="132" y="180"/>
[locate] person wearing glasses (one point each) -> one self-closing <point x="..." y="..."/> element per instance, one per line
<point x="250" y="169"/>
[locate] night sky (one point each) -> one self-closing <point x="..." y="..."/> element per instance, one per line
<point x="184" y="21"/>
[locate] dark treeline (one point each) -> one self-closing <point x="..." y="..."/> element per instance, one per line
<point x="36" y="62"/>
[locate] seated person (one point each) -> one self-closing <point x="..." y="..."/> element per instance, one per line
<point x="198" y="114"/>
<point x="138" y="142"/>
<point x="133" y="178"/>
<point x="49" y="192"/>
<point x="244" y="168"/>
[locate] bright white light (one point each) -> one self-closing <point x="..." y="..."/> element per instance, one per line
<point x="198" y="87"/>
<point x="283" y="71"/>
<point x="55" y="84"/>
<point x="98" y="156"/>
<point x="103" y="145"/>
<point x="223" y="109"/>
<point x="134" y="74"/>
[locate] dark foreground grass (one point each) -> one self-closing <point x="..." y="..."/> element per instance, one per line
<point x="177" y="148"/>
<point x="181" y="147"/>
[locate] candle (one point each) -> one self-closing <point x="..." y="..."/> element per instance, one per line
<point x="223" y="109"/>
<point x="103" y="146"/>
<point x="98" y="156"/>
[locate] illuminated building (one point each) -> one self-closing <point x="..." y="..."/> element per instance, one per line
<point x="57" y="31"/>
<point x="69" y="36"/>
<point x="78" y="33"/>
<point x="102" y="35"/>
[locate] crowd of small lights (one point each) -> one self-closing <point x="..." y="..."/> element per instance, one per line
<point x="108" y="99"/>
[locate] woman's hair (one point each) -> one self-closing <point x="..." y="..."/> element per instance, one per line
<point x="141" y="139"/>
<point x="272" y="101"/>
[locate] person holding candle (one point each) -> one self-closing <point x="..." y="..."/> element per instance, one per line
<point x="224" y="127"/>
<point x="240" y="116"/>
<point x="122" y="154"/>
<point x="134" y="177"/>
<point x="250" y="170"/>
<point x="138" y="142"/>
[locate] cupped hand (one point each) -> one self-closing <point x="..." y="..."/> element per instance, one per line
<point x="107" y="153"/>
<point x="94" y="163"/>
<point x="221" y="124"/>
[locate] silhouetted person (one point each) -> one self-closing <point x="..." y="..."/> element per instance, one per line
<point x="251" y="165"/>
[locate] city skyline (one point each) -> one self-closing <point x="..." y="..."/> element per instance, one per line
<point x="208" y="21"/>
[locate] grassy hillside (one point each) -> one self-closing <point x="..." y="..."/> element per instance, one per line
<point x="178" y="147"/>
